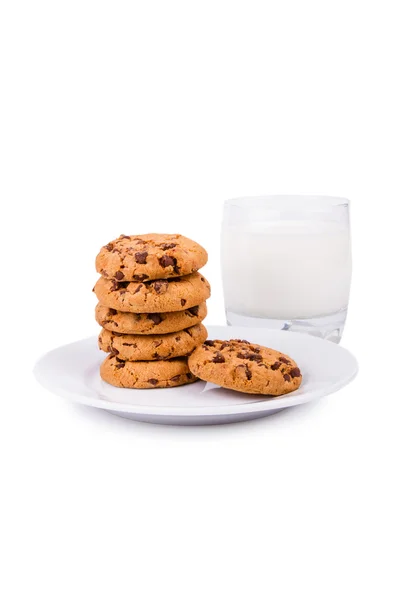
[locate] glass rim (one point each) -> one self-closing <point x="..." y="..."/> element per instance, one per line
<point x="322" y="200"/>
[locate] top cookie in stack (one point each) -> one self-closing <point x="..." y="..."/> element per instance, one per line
<point x="148" y="257"/>
<point x="150" y="286"/>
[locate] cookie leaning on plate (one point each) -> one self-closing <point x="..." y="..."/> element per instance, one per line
<point x="245" y="367"/>
<point x="150" y="256"/>
<point x="146" y="374"/>
<point x="152" y="347"/>
<point x="145" y="323"/>
<point x="162" y="295"/>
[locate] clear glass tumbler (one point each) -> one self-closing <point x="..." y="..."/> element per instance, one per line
<point x="286" y="263"/>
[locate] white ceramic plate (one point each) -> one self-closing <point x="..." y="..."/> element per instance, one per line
<point x="73" y="372"/>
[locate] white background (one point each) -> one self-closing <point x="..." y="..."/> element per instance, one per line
<point x="128" y="117"/>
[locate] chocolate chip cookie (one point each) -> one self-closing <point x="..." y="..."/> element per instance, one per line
<point x="146" y="374"/>
<point x="151" y="256"/>
<point x="162" y="295"/>
<point x="152" y="347"/>
<point x="245" y="367"/>
<point x="145" y="323"/>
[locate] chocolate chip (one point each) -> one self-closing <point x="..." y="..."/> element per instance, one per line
<point x="120" y="365"/>
<point x="158" y="343"/>
<point x="114" y="323"/>
<point x="286" y="377"/>
<point x="245" y="369"/>
<point x="104" y="273"/>
<point x="194" y="311"/>
<point x="249" y="356"/>
<point x="124" y="237"/>
<point x="178" y="338"/>
<point x="126" y="344"/>
<point x="224" y="345"/>
<point x="255" y="349"/>
<point x="275" y="366"/>
<point x="202" y="278"/>
<point x="284" y="360"/>
<point x="175" y="378"/>
<point x="155" y="355"/>
<point x="119" y="360"/>
<point x="153" y="381"/>
<point x="140" y="277"/>
<point x="209" y="343"/>
<point x="138" y="288"/>
<point x="218" y="358"/>
<point x="119" y="275"/>
<point x="167" y="261"/>
<point x="111" y="312"/>
<point x="177" y="269"/>
<point x="183" y="301"/>
<point x="255" y="357"/>
<point x="241" y="341"/>
<point x="109" y="247"/>
<point x="156" y="318"/>
<point x="113" y="351"/>
<point x="114" y="285"/>
<point x="166" y="246"/>
<point x="295" y="372"/>
<point x="140" y="257"/>
<point x="161" y="286"/>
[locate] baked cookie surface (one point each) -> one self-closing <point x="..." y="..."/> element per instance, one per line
<point x="245" y="367"/>
<point x="162" y="295"/>
<point x="146" y="374"/>
<point x="152" y="347"/>
<point x="150" y="256"/>
<point x="149" y="323"/>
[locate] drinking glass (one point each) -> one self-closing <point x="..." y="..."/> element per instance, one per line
<point x="286" y="263"/>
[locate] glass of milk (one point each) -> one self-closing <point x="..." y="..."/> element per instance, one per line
<point x="286" y="263"/>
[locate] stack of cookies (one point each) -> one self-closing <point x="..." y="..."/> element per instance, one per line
<point x="151" y="307"/>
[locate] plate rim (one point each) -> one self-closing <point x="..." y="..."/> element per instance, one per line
<point x="285" y="401"/>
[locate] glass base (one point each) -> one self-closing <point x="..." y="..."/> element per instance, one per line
<point x="328" y="327"/>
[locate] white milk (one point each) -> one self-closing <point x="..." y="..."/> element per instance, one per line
<point x="286" y="269"/>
